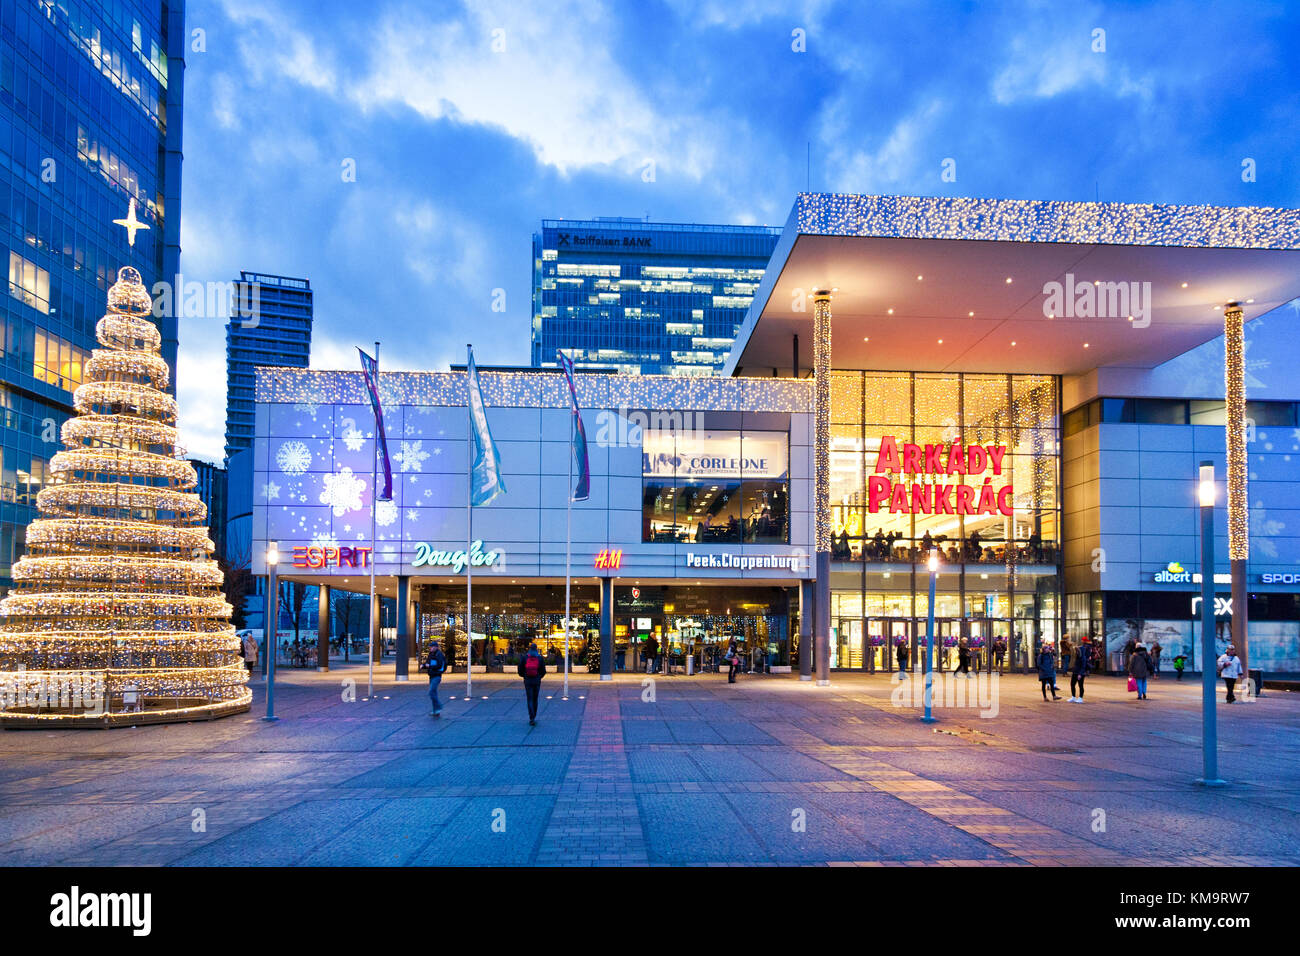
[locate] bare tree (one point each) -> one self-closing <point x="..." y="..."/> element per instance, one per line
<point x="237" y="581"/>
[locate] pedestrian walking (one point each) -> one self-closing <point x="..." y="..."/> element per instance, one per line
<point x="435" y="665"/>
<point x="532" y="668"/>
<point x="1130" y="647"/>
<point x="1229" y="665"/>
<point x="650" y="651"/>
<point x="250" y="651"/>
<point x="1180" y="661"/>
<point x="900" y="654"/>
<point x="1047" y="670"/>
<point x="963" y="658"/>
<point x="1000" y="652"/>
<point x="1079" y="672"/>
<point x="1156" y="651"/>
<point x="1139" y="668"/>
<point x="733" y="662"/>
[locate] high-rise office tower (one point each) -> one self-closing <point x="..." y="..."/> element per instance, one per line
<point x="644" y="297"/>
<point x="273" y="328"/>
<point x="90" y="118"/>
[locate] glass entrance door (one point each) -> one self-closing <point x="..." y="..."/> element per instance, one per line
<point x="846" y="650"/>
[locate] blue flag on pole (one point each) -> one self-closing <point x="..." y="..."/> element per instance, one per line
<point x="582" y="490"/>
<point x="370" y="368"/>
<point x="485" y="481"/>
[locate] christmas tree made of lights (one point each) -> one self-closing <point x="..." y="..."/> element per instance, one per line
<point x="116" y="615"/>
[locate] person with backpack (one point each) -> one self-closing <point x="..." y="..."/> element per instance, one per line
<point x="1229" y="665"/>
<point x="733" y="661"/>
<point x="1180" y="661"/>
<point x="1082" y="664"/>
<point x="532" y="668"/>
<point x="1139" y="668"/>
<point x="435" y="665"/>
<point x="1047" y="670"/>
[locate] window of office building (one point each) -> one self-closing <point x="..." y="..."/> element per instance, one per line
<point x="57" y="361"/>
<point x="29" y="283"/>
<point x="715" y="486"/>
<point x="966" y="466"/>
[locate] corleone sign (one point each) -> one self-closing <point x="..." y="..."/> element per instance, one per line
<point x="715" y="455"/>
<point x="426" y="555"/>
<point x="305" y="556"/>
<point x="931" y="497"/>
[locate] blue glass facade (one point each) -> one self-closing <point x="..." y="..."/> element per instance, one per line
<point x="86" y="90"/>
<point x="280" y="335"/>
<point x="644" y="297"/>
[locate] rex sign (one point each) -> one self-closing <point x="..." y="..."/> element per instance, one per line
<point x="937" y="462"/>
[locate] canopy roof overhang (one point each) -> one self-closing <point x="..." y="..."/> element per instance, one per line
<point x="942" y="266"/>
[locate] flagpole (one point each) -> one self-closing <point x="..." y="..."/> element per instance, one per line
<point x="469" y="531"/>
<point x="374" y="507"/>
<point x="568" y="552"/>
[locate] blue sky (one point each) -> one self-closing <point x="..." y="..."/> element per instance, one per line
<point x="460" y="149"/>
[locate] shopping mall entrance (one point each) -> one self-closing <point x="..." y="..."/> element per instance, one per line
<point x="871" y="644"/>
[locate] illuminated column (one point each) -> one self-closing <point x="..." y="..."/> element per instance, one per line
<point x="323" y="629"/>
<point x="403" y="614"/>
<point x="377" y="622"/>
<point x="1238" y="518"/>
<point x="822" y="479"/>
<point x="805" y="630"/>
<point x="606" y="628"/>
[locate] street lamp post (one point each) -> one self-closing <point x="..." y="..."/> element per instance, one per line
<point x="1209" y="725"/>
<point x="272" y="622"/>
<point x="933" y="564"/>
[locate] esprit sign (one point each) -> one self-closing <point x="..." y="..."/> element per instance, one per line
<point x="427" y="556"/>
<point x="310" y="556"/>
<point x="932" y="497"/>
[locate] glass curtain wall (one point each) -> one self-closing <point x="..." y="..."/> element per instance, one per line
<point x="963" y="464"/>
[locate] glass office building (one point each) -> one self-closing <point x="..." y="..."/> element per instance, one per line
<point x="278" y="334"/>
<point x="644" y="297"/>
<point x="86" y="90"/>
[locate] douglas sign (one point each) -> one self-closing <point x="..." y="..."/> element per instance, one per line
<point x="930" y="497"/>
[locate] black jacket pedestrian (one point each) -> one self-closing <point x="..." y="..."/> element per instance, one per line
<point x="1139" y="666"/>
<point x="541" y="668"/>
<point x="1081" y="663"/>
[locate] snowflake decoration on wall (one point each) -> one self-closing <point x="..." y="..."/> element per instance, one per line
<point x="342" y="492"/>
<point x="270" y="490"/>
<point x="307" y="407"/>
<point x="412" y="455"/>
<point x="385" y="513"/>
<point x="324" y="540"/>
<point x="293" y="458"/>
<point x="353" y="439"/>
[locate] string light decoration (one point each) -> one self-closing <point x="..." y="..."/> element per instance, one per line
<point x="1234" y="374"/>
<point x="116" y="616"/>
<point x="822" y="420"/>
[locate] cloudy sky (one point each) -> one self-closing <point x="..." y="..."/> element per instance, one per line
<point x="467" y="123"/>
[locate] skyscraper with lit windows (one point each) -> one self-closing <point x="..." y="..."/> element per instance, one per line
<point x="643" y="297"/>
<point x="90" y="107"/>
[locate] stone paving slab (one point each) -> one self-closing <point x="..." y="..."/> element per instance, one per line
<point x="769" y="770"/>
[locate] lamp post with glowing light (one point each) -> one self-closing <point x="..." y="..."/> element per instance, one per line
<point x="1209" y="725"/>
<point x="933" y="564"/>
<point x="272" y="620"/>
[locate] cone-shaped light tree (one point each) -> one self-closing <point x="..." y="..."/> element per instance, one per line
<point x="116" y="615"/>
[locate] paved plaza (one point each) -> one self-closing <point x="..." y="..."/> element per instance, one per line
<point x="769" y="770"/>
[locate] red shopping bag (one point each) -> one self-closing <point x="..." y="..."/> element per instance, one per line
<point x="1132" y="684"/>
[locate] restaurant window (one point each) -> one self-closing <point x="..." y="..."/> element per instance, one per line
<point x="715" y="487"/>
